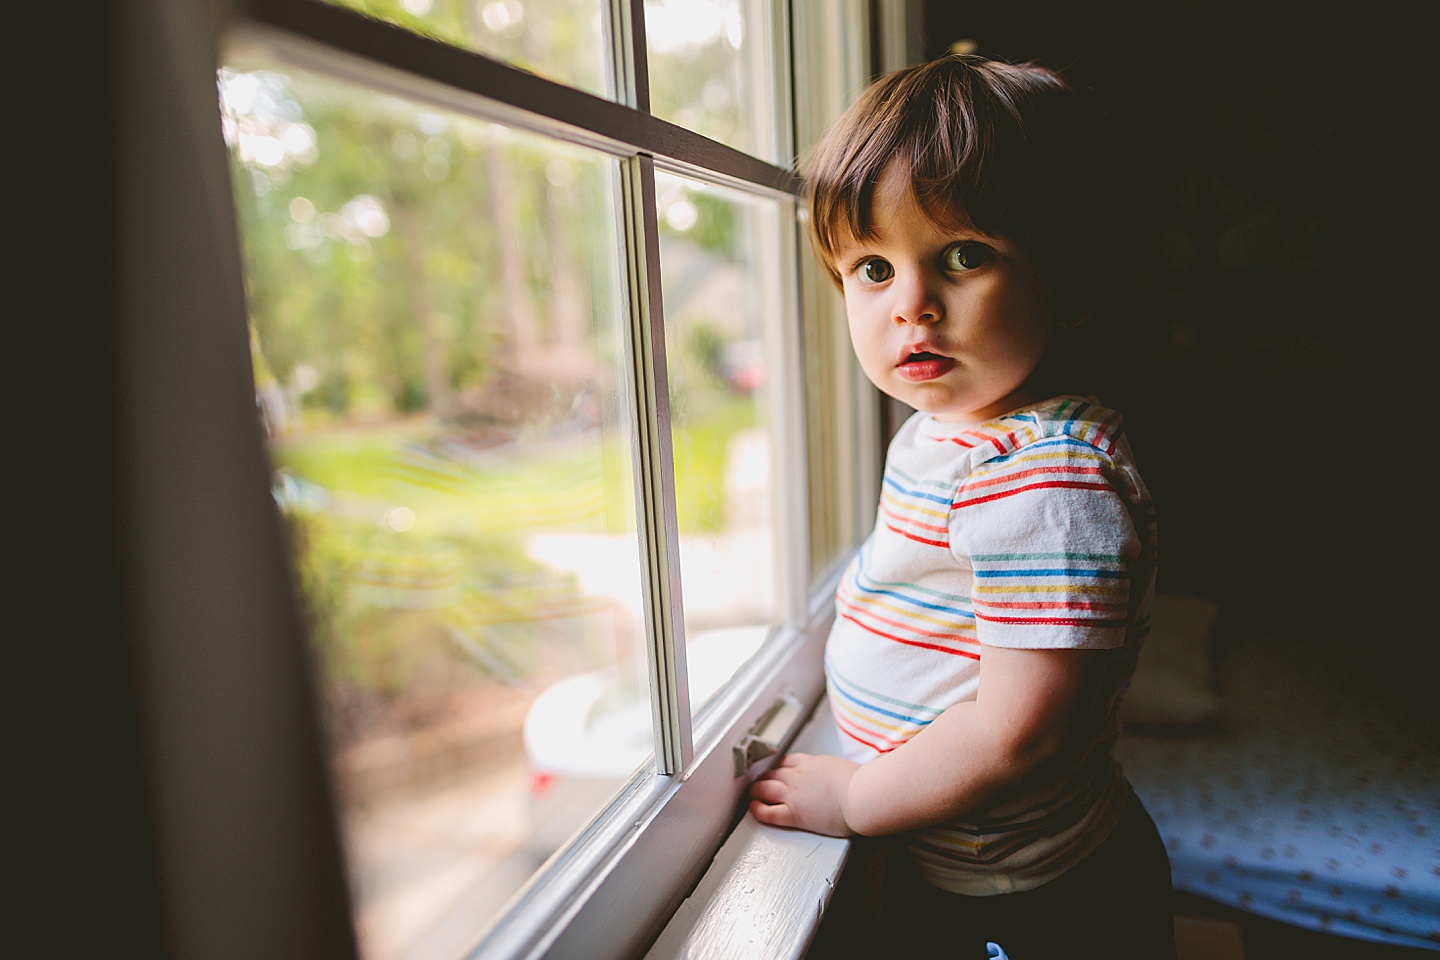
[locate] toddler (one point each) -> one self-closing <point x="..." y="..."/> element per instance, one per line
<point x="988" y="627"/>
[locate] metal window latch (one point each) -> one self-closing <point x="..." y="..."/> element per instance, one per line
<point x="773" y="732"/>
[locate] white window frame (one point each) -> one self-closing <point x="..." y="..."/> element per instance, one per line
<point x="247" y="837"/>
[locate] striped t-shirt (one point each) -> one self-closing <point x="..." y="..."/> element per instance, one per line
<point x="1033" y="530"/>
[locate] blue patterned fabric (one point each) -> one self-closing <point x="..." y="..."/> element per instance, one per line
<point x="1317" y="800"/>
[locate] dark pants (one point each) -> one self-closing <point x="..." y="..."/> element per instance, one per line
<point x="1115" y="904"/>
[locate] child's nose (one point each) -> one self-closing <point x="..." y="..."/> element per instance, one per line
<point x="915" y="300"/>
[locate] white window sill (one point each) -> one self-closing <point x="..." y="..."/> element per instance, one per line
<point x="766" y="890"/>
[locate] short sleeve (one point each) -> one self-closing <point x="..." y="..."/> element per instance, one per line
<point x="1049" y="535"/>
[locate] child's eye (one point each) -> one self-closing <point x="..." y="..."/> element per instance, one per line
<point x="874" y="270"/>
<point x="967" y="255"/>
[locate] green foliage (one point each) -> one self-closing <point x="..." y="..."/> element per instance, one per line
<point x="553" y="38"/>
<point x="411" y="611"/>
<point x="714" y="227"/>
<point x="706" y="345"/>
<point x="700" y="448"/>
<point x="409" y="620"/>
<point x="393" y="256"/>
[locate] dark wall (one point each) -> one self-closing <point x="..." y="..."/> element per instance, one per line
<point x="1261" y="371"/>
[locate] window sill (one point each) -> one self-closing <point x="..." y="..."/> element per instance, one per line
<point x="766" y="890"/>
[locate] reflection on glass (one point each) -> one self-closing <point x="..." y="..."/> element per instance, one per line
<point x="438" y="365"/>
<point x="711" y="70"/>
<point x="557" y="39"/>
<point x="719" y="259"/>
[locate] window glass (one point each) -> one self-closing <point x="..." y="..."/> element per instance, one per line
<point x="438" y="358"/>
<point x="560" y="40"/>
<point x="720" y="280"/>
<point x="711" y="70"/>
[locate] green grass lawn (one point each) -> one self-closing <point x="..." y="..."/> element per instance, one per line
<point x="461" y="499"/>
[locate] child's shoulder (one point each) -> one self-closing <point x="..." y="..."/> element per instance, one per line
<point x="1066" y="421"/>
<point x="1062" y="437"/>
<point x="1084" y="420"/>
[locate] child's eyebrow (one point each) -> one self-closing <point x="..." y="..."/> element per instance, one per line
<point x="851" y="249"/>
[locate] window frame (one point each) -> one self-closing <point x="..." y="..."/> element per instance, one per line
<point x="646" y="849"/>
<point x="330" y="40"/>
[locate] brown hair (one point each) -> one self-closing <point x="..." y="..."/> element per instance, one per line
<point x="1011" y="149"/>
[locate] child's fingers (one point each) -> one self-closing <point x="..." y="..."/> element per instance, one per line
<point x="773" y="815"/>
<point x="786" y="761"/>
<point x="768" y="791"/>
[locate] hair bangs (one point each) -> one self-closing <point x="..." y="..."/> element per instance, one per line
<point x="929" y="122"/>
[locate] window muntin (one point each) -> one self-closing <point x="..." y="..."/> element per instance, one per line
<point x="712" y="70"/>
<point x="438" y="350"/>
<point x="563" y="40"/>
<point x="710" y="63"/>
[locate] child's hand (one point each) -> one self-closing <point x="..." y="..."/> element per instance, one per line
<point x="805" y="792"/>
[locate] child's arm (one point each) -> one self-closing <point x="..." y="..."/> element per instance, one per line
<point x="967" y="759"/>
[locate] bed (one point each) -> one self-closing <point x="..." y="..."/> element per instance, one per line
<point x="1291" y="778"/>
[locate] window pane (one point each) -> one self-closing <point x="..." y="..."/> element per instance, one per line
<point x="711" y="70"/>
<point x="560" y="40"/>
<point x="438" y="357"/>
<point x="720" y="263"/>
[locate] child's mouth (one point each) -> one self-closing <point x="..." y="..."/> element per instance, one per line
<point x="924" y="365"/>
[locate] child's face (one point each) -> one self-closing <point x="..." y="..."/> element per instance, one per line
<point x="947" y="320"/>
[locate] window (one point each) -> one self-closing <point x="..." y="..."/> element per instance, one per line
<point x="562" y="427"/>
